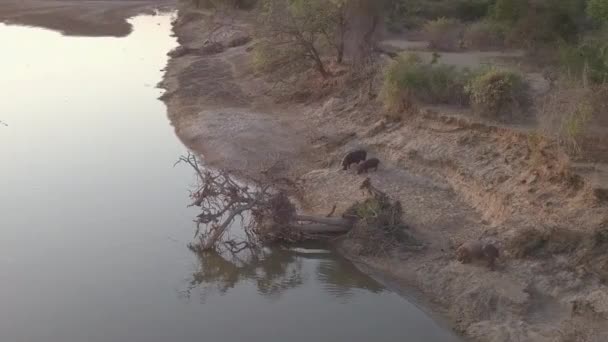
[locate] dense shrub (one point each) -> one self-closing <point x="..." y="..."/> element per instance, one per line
<point x="240" y="4"/>
<point x="497" y="93"/>
<point x="574" y="114"/>
<point x="544" y="21"/>
<point x="587" y="60"/>
<point x="413" y="13"/>
<point x="485" y="34"/>
<point x="470" y="10"/>
<point x="408" y="81"/>
<point x="509" y="10"/>
<point x="598" y="10"/>
<point x="444" y="34"/>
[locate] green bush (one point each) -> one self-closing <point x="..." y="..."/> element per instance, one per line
<point x="444" y="33"/>
<point x="598" y="10"/>
<point x="534" y="22"/>
<point x="470" y="10"/>
<point x="587" y="60"/>
<point x="575" y="126"/>
<point x="496" y="93"/>
<point x="413" y="13"/>
<point x="485" y="34"/>
<point x="240" y="4"/>
<point x="409" y="81"/>
<point x="509" y="10"/>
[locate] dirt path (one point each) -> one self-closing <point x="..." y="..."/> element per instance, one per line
<point x="79" y="18"/>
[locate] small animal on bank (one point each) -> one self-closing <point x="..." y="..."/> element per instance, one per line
<point x="367" y="165"/>
<point x="353" y="157"/>
<point x="476" y="250"/>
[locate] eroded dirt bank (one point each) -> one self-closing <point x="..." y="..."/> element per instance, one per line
<point x="457" y="180"/>
<point x="79" y="17"/>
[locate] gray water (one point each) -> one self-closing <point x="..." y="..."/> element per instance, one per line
<point x="94" y="224"/>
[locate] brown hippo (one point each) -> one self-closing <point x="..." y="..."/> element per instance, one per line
<point x="353" y="157"/>
<point x="475" y="250"/>
<point x="367" y="165"/>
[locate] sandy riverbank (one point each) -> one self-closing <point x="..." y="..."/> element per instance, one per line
<point x="79" y="18"/>
<point x="457" y="180"/>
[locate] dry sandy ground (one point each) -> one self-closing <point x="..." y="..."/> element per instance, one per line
<point x="457" y="180"/>
<point x="79" y="17"/>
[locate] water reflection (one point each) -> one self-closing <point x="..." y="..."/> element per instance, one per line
<point x="278" y="269"/>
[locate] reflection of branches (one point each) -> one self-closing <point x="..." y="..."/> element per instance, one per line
<point x="276" y="270"/>
<point x="273" y="271"/>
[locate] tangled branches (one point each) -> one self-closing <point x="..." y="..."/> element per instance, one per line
<point x="265" y="214"/>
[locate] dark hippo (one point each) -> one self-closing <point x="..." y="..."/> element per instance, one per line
<point x="353" y="157"/>
<point x="367" y="165"/>
<point x="475" y="250"/>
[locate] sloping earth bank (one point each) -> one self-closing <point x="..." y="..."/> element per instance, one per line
<point x="457" y="180"/>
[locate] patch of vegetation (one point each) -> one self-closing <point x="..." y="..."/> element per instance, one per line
<point x="299" y="34"/>
<point x="444" y="34"/>
<point x="406" y="11"/>
<point x="532" y="242"/>
<point x="509" y="10"/>
<point x="574" y="126"/>
<point x="497" y="93"/>
<point x="239" y="4"/>
<point x="598" y="10"/>
<point x="526" y="242"/>
<point x="408" y="81"/>
<point x="574" y="113"/>
<point x="601" y="235"/>
<point x="587" y="60"/>
<point x="379" y="227"/>
<point x="486" y="34"/>
<point x="539" y="22"/>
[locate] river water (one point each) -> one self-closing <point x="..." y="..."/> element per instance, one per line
<point x="94" y="224"/>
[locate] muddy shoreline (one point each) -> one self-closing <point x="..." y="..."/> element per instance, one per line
<point x="457" y="179"/>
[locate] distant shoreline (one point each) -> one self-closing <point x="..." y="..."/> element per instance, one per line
<point x="79" y="18"/>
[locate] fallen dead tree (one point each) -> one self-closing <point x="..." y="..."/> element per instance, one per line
<point x="235" y="215"/>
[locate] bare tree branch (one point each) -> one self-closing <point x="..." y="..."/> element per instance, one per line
<point x="266" y="213"/>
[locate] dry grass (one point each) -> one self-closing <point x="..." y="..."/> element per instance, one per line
<point x="584" y="248"/>
<point x="444" y="34"/>
<point x="484" y="35"/>
<point x="577" y="116"/>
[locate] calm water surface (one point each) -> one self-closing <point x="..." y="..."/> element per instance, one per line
<point x="94" y="224"/>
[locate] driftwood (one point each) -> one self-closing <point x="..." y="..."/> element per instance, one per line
<point x="256" y="212"/>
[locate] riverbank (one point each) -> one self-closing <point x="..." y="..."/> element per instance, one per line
<point x="79" y="18"/>
<point x="457" y="180"/>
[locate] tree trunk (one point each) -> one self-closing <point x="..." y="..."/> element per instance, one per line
<point x="320" y="225"/>
<point x="319" y="228"/>
<point x="340" y="57"/>
<point x="331" y="221"/>
<point x="320" y="66"/>
<point x="340" y="44"/>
